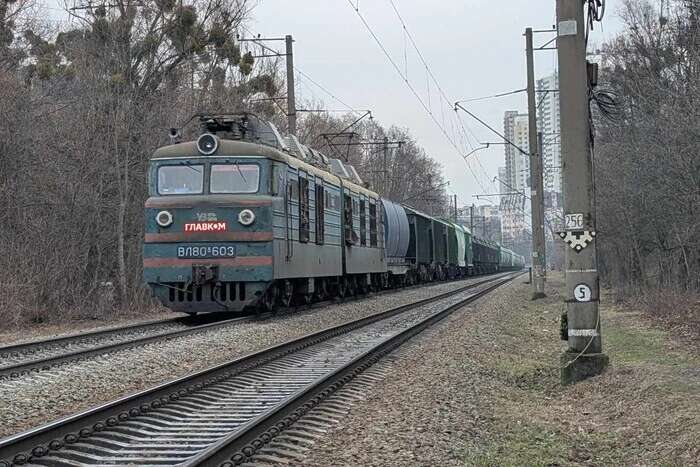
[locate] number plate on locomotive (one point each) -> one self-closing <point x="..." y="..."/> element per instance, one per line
<point x="206" y="251"/>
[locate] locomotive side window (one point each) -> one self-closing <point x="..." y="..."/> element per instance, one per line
<point x="234" y="178"/>
<point x="363" y="223"/>
<point x="320" y="211"/>
<point x="180" y="179"/>
<point x="293" y="189"/>
<point x="303" y="210"/>
<point x="332" y="201"/>
<point x="372" y="224"/>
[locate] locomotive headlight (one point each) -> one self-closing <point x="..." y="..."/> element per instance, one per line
<point x="207" y="144"/>
<point x="164" y="218"/>
<point x="246" y="217"/>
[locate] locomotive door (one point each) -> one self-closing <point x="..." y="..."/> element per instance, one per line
<point x="291" y="195"/>
<point x="304" y="207"/>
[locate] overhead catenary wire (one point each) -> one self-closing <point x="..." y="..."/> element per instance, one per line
<point x="306" y="76"/>
<point x="420" y="54"/>
<point x="441" y="91"/>
<point x="408" y="83"/>
<point x="492" y="96"/>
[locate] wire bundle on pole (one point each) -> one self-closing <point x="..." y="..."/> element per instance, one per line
<point x="596" y="11"/>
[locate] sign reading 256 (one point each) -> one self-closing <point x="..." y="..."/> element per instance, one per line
<point x="573" y="221"/>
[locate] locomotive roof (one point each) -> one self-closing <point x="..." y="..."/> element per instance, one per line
<point x="231" y="148"/>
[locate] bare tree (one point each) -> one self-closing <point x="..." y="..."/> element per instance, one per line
<point x="647" y="166"/>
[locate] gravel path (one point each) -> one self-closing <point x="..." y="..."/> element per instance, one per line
<point x="432" y="399"/>
<point x="39" y="398"/>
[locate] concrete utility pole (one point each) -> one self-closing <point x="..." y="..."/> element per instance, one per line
<point x="540" y="184"/>
<point x="291" y="101"/>
<point x="385" y="167"/>
<point x="471" y="219"/>
<point x="584" y="357"/>
<point x="537" y="194"/>
<point x="455" y="196"/>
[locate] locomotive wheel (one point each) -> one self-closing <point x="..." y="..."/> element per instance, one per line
<point x="363" y="288"/>
<point x="342" y="287"/>
<point x="303" y="299"/>
<point x="374" y="286"/>
<point x="352" y="287"/>
<point x="321" y="291"/>
<point x="267" y="301"/>
<point x="287" y="293"/>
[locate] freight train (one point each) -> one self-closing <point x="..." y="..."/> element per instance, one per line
<point x="243" y="218"/>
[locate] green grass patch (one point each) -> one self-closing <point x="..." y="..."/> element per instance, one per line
<point x="625" y="414"/>
<point x="643" y="346"/>
<point x="533" y="444"/>
<point x="521" y="444"/>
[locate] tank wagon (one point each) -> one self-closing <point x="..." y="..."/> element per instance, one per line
<point x="243" y="218"/>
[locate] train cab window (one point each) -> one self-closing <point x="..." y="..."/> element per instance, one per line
<point x="320" y="211"/>
<point x="234" y="178"/>
<point x="372" y="224"/>
<point x="303" y="210"/>
<point x="180" y="179"/>
<point x="363" y="223"/>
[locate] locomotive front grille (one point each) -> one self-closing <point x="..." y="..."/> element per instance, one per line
<point x="226" y="292"/>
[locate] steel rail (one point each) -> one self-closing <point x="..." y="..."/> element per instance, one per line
<point x="27" y="367"/>
<point x="38" y="442"/>
<point x="26" y="347"/>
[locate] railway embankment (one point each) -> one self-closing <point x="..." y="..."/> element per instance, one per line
<point x="482" y="388"/>
<point x="37" y="398"/>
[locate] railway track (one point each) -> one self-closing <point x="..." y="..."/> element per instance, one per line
<point x="225" y="414"/>
<point x="26" y="358"/>
<point x="22" y="359"/>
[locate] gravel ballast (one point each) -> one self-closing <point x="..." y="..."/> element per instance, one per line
<point x="35" y="399"/>
<point x="429" y="399"/>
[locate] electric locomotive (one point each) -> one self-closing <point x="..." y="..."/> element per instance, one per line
<point x="244" y="217"/>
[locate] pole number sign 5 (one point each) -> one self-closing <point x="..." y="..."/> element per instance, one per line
<point x="582" y="293"/>
<point x="573" y="221"/>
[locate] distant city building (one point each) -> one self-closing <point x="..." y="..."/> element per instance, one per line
<point x="516" y="128"/>
<point x="502" y="180"/>
<point x="515" y="177"/>
<point x="484" y="221"/>
<point x="548" y="122"/>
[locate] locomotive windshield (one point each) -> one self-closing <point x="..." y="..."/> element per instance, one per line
<point x="180" y="179"/>
<point x="234" y="178"/>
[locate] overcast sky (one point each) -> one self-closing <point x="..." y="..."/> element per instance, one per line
<point x="473" y="47"/>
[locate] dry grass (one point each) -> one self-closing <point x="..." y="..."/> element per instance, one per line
<point x="678" y="312"/>
<point x="644" y="410"/>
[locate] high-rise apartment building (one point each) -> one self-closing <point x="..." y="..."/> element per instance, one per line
<point x="515" y="177"/>
<point x="516" y="127"/>
<point x="549" y="124"/>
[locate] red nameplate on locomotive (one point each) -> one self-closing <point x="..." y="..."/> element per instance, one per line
<point x="207" y="226"/>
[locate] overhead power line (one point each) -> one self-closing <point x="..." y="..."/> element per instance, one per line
<point x="305" y="75"/>
<point x="410" y="86"/>
<point x="493" y="96"/>
<point x="447" y="100"/>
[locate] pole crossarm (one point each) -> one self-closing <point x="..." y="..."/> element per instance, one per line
<point x="459" y="106"/>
